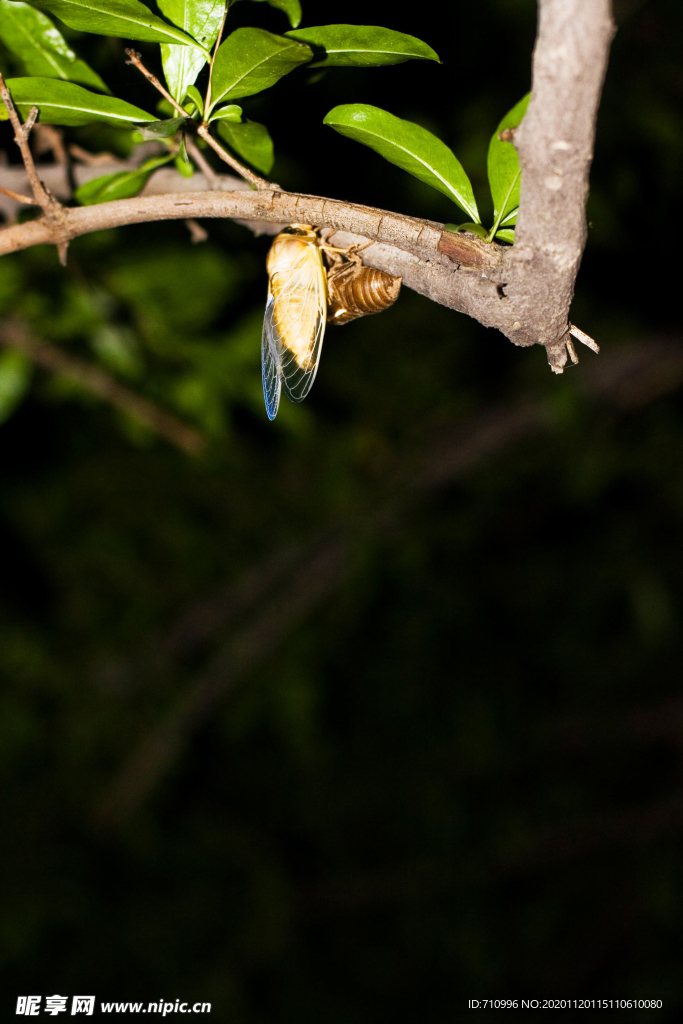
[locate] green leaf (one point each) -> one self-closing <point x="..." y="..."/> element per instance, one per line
<point x="251" y="60"/>
<point x="166" y="109"/>
<point x="33" y="38"/>
<point x="161" y="129"/>
<point x="408" y="146"/>
<point x="69" y="104"/>
<point x="505" y="236"/>
<point x="231" y="112"/>
<point x="182" y="160"/>
<point x="15" y="375"/>
<point x="128" y="19"/>
<point x="361" y="46"/>
<point x="503" y="167"/>
<point x="186" y="167"/>
<point x="194" y="94"/>
<point x="292" y="8"/>
<point x="201" y="19"/>
<point x="122" y="185"/>
<point x="251" y="141"/>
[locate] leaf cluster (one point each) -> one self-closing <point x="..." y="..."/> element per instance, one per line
<point x="244" y="64"/>
<point x="190" y="36"/>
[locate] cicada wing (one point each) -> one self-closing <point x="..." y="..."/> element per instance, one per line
<point x="298" y="380"/>
<point x="271" y="361"/>
<point x="301" y="316"/>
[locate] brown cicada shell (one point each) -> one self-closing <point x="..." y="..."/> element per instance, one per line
<point x="354" y="290"/>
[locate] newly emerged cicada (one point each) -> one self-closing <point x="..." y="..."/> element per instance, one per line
<point x="296" y="314"/>
<point x="300" y="287"/>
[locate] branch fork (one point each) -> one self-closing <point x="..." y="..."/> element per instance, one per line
<point x="50" y="205"/>
<point x="203" y="128"/>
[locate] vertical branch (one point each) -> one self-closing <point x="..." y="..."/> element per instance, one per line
<point x="555" y="145"/>
<point x="50" y="206"/>
<point x="21" y="134"/>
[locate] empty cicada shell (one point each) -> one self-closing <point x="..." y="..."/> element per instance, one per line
<point x="354" y="290"/>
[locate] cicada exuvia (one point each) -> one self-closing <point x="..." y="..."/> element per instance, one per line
<point x="355" y="290"/>
<point x="300" y="287"/>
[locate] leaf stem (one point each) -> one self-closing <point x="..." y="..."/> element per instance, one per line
<point x="207" y="98"/>
<point x="503" y="211"/>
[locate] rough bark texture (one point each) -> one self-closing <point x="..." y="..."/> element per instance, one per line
<point x="525" y="290"/>
<point x="555" y="146"/>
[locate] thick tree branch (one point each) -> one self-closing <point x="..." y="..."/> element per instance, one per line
<point x="420" y="251"/>
<point x="555" y="145"/>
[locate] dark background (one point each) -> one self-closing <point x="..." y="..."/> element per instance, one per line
<point x="377" y="708"/>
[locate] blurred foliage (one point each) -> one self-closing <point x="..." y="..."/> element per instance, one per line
<point x="459" y="774"/>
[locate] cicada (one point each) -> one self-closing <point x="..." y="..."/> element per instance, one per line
<point x="300" y="287"/>
<point x="296" y="314"/>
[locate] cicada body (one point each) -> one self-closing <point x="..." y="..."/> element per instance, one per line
<point x="300" y="288"/>
<point x="295" y="318"/>
<point x="355" y="290"/>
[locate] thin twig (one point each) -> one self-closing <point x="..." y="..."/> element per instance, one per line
<point x="202" y="130"/>
<point x="50" y="140"/>
<point x="136" y="61"/>
<point x="84" y="156"/>
<point x="197" y="232"/>
<point x="584" y="338"/>
<point x="187" y="439"/>
<point x="18" y="196"/>
<point x="253" y="179"/>
<point x="50" y="206"/>
<point x="202" y="163"/>
<point x="21" y="133"/>
<point x="30" y="121"/>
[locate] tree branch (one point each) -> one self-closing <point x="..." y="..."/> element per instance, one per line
<point x="420" y="251"/>
<point x="16" y="336"/>
<point x="555" y="145"/>
<point x="51" y="207"/>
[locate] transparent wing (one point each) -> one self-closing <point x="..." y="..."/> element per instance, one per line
<point x="271" y="360"/>
<point x="299" y="317"/>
